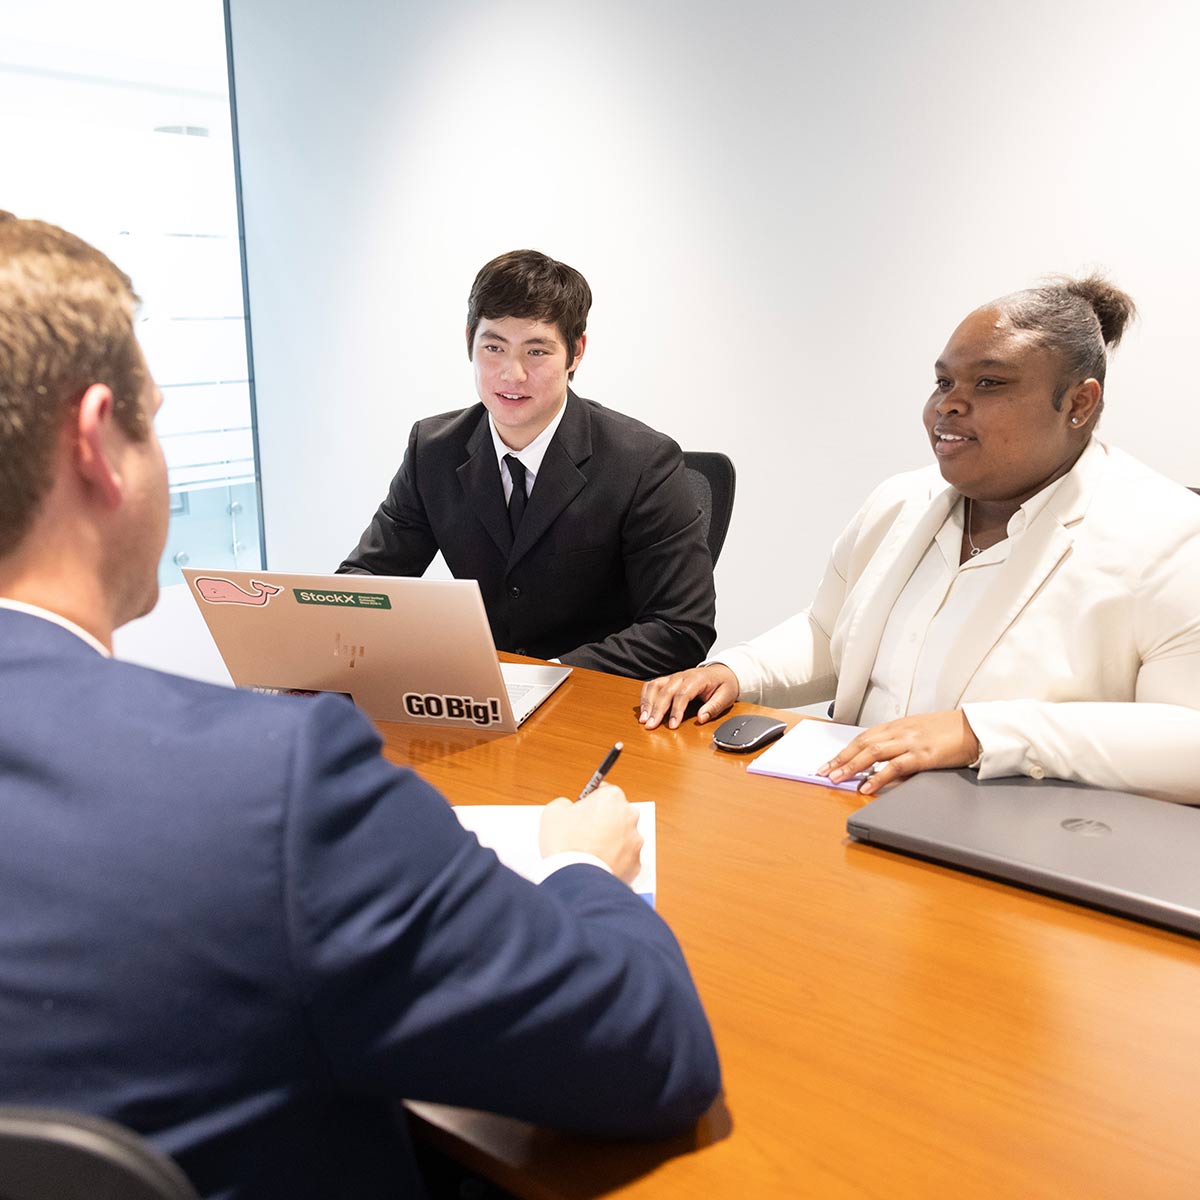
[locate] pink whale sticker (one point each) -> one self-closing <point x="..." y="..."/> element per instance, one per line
<point x="225" y="591"/>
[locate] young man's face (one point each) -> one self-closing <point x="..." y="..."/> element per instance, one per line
<point x="521" y="369"/>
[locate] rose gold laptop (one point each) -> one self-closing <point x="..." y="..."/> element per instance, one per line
<point x="412" y="650"/>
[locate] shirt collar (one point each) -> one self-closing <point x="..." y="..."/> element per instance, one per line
<point x="949" y="536"/>
<point x="1033" y="507"/>
<point x="531" y="456"/>
<point x="34" y="611"/>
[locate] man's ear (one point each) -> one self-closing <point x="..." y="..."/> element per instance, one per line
<point x="95" y="438"/>
<point x="470" y="348"/>
<point x="580" y="348"/>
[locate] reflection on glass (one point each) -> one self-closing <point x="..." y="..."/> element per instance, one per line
<point x="115" y="123"/>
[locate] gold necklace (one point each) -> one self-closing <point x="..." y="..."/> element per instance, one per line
<point x="970" y="540"/>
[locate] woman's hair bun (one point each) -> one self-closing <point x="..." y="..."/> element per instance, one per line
<point x="1113" y="308"/>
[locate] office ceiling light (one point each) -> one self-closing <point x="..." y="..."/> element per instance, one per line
<point x="186" y="130"/>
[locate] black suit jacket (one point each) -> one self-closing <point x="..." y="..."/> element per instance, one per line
<point x="609" y="569"/>
<point x="227" y="922"/>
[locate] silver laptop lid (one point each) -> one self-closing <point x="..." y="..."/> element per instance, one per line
<point x="1127" y="853"/>
<point x="412" y="650"/>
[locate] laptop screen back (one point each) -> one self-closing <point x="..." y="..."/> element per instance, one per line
<point x="413" y="650"/>
<point x="1118" y="851"/>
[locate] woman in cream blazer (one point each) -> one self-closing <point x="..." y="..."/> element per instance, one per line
<point x="1075" y="656"/>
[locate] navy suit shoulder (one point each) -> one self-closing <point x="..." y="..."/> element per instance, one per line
<point x="228" y="922"/>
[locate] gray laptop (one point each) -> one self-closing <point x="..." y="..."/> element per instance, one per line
<point x="1125" y="853"/>
<point x="412" y="650"/>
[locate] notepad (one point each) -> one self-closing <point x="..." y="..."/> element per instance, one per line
<point x="511" y="830"/>
<point x="803" y="749"/>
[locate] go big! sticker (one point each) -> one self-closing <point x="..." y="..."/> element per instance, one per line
<point x="452" y="708"/>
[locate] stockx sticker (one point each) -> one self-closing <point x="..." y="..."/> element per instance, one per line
<point x="342" y="599"/>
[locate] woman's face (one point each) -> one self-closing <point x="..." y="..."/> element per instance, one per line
<point x="991" y="419"/>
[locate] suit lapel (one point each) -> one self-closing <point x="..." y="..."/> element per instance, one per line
<point x="479" y="477"/>
<point x="559" y="480"/>
<point x="1035" y="555"/>
<point x="876" y="591"/>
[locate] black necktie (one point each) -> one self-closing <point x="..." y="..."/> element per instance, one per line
<point x="518" y="499"/>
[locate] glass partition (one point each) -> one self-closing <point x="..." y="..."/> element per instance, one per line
<point x="115" y="123"/>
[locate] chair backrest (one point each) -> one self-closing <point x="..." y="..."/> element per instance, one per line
<point x="713" y="481"/>
<point x="46" y="1154"/>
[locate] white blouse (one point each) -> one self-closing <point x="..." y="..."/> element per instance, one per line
<point x="939" y="598"/>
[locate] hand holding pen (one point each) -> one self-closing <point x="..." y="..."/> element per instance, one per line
<point x="606" y="826"/>
<point x="603" y="769"/>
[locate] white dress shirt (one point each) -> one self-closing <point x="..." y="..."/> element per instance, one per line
<point x="568" y="858"/>
<point x="530" y="458"/>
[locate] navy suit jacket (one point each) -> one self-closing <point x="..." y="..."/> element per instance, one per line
<point x="609" y="568"/>
<point x="227" y="922"/>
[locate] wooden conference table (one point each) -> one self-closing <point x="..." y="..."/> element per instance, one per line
<point x="887" y="1027"/>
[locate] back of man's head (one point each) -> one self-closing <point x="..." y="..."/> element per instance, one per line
<point x="66" y="322"/>
<point x="532" y="285"/>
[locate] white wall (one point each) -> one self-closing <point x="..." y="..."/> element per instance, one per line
<point x="783" y="210"/>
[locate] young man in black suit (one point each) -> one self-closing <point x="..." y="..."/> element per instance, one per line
<point x="577" y="521"/>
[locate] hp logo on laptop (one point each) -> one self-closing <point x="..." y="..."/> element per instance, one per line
<point x="1086" y="828"/>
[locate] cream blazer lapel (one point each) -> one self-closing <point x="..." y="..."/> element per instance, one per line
<point x="1035" y="556"/>
<point x="873" y="595"/>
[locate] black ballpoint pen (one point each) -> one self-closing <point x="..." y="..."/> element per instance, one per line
<point x="603" y="769"/>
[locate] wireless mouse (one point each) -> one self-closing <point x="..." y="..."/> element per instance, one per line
<point x="747" y="733"/>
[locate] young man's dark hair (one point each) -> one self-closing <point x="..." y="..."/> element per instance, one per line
<point x="527" y="283"/>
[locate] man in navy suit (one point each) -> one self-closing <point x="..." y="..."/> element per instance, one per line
<point x="577" y="521"/>
<point x="225" y="920"/>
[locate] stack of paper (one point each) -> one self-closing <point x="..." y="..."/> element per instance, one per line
<point x="803" y="749"/>
<point x="511" y="830"/>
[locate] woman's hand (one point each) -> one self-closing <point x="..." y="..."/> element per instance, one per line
<point x="924" y="742"/>
<point x="666" y="698"/>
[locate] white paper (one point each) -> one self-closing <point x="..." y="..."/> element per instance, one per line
<point x="803" y="749"/>
<point x="511" y="830"/>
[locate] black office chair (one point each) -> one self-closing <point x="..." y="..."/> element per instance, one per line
<point x="46" y="1154"/>
<point x="713" y="481"/>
